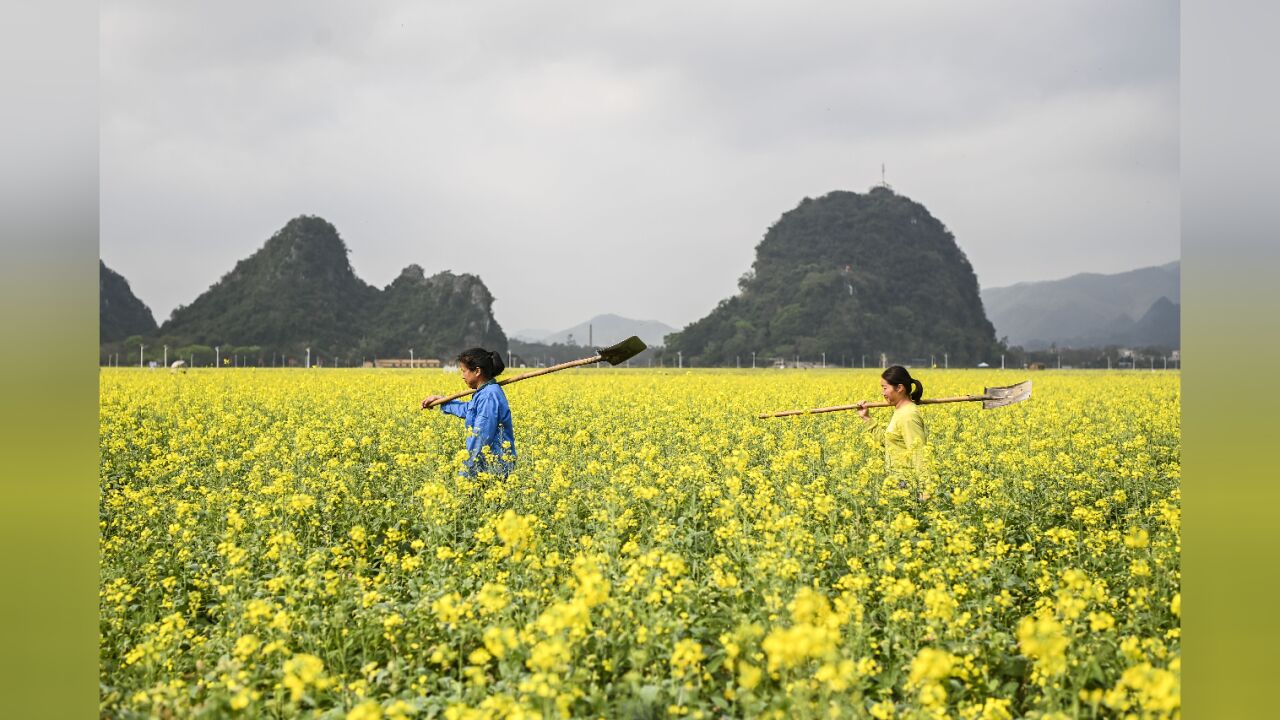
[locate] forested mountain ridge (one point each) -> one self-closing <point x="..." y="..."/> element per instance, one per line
<point x="299" y="291"/>
<point x="849" y="274"/>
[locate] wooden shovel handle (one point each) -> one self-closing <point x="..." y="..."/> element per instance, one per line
<point x="838" y="408"/>
<point x="518" y="378"/>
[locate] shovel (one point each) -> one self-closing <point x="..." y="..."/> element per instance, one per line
<point x="990" y="398"/>
<point x="613" y="355"/>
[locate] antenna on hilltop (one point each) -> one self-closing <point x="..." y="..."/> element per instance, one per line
<point x="884" y="183"/>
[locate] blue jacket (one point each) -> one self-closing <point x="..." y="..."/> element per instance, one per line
<point x="488" y="420"/>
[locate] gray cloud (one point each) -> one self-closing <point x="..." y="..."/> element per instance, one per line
<point x="569" y="152"/>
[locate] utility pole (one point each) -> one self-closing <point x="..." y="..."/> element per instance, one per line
<point x="680" y="359"/>
<point x="308" y="357"/>
<point x="946" y="362"/>
<point x="217" y="355"/>
<point x="166" y="356"/>
<point x="753" y="359"/>
<point x="824" y="361"/>
<point x="1001" y="361"/>
<point x="141" y="348"/>
<point x="410" y="358"/>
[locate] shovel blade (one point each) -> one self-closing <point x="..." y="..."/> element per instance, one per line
<point x="623" y="351"/>
<point x="1002" y="396"/>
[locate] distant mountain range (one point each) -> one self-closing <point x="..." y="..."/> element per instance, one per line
<point x="531" y="335"/>
<point x="817" y="286"/>
<point x="600" y="331"/>
<point x="298" y="291"/>
<point x="1135" y="308"/>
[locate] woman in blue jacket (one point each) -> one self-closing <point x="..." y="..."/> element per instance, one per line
<point x="491" y="442"/>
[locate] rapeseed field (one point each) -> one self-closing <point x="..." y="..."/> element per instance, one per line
<point x="299" y="543"/>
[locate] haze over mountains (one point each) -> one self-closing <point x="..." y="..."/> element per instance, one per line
<point x="1135" y="308"/>
<point x="599" y="331"/>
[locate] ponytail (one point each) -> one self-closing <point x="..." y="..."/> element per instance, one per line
<point x="488" y="362"/>
<point x="898" y="375"/>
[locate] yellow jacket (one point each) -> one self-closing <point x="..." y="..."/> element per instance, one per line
<point x="904" y="438"/>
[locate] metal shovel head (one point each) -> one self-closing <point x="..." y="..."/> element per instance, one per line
<point x="1001" y="396"/>
<point x="623" y="351"/>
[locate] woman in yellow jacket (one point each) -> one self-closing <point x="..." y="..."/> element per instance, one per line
<point x="905" y="436"/>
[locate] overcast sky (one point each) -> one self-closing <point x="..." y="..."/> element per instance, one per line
<point x="586" y="157"/>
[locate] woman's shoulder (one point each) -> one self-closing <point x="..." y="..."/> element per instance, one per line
<point x="909" y="410"/>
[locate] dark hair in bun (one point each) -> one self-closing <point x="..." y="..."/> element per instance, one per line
<point x="487" y="362"/>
